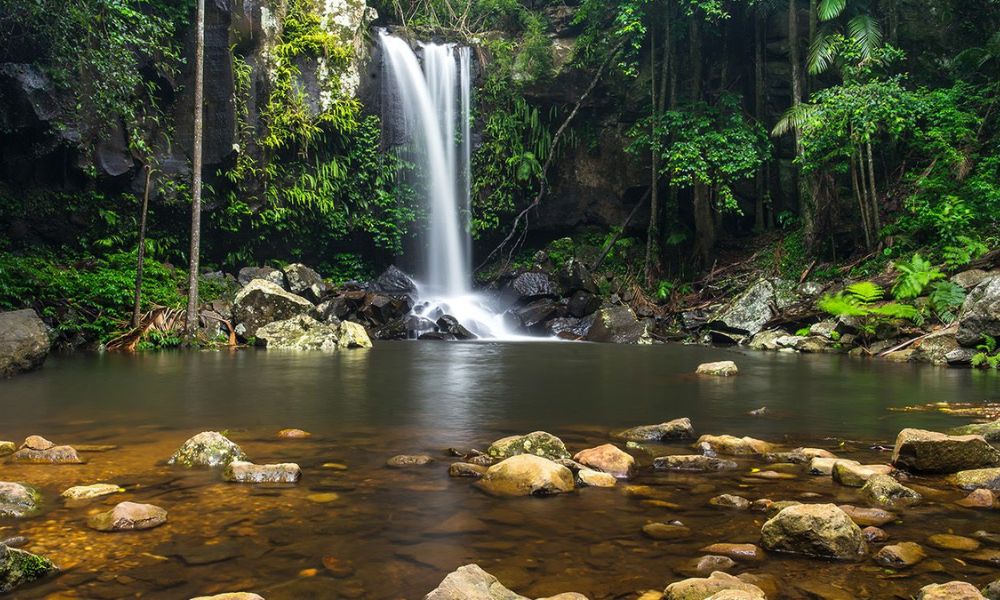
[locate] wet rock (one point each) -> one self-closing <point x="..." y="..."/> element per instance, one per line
<point x="900" y="556"/>
<point x="240" y="471"/>
<point x="88" y="492"/>
<point x="852" y="474"/>
<point x="865" y="517"/>
<point x="607" y="458"/>
<point x="128" y="516"/>
<point x="471" y="582"/>
<point x="990" y="431"/>
<point x="261" y="302"/>
<point x="947" y="541"/>
<point x="396" y="282"/>
<point x="293" y="434"/>
<point x="883" y="490"/>
<point x="231" y="596"/>
<point x="527" y="475"/>
<point x="729" y="445"/>
<point x="538" y="443"/>
<point x="874" y="535"/>
<point x="748" y="312"/>
<point x="725" y="368"/>
<point x="818" y="530"/>
<point x="7" y="448"/>
<point x="17" y="500"/>
<point x="352" y="335"/>
<point x="592" y="478"/>
<point x="953" y="590"/>
<point x="738" y="552"/>
<point x="978" y="479"/>
<point x="666" y="531"/>
<point x="734" y="595"/>
<point x="730" y="501"/>
<point x="583" y="303"/>
<point x="615" y="324"/>
<point x="269" y="274"/>
<point x="992" y="590"/>
<point x="38" y="450"/>
<point x="574" y="276"/>
<point x="800" y="455"/>
<point x="935" y="348"/>
<point x="409" y="460"/>
<point x="701" y="589"/>
<point x="207" y="449"/>
<point x="461" y="469"/>
<point x="24" y="342"/>
<point x="768" y="340"/>
<point x="824" y="466"/>
<point x="529" y="286"/>
<point x="980" y="498"/>
<point x="305" y="282"/>
<point x="678" y="429"/>
<point x="773" y="508"/>
<point x="693" y="462"/>
<point x="449" y="324"/>
<point x="705" y="565"/>
<point x="570" y="328"/>
<point x="980" y="313"/>
<point x="931" y="452"/>
<point x="18" y="567"/>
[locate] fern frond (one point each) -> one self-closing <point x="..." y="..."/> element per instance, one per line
<point x="822" y="52"/>
<point x="840" y="305"/>
<point x="794" y="118"/>
<point x="864" y="29"/>
<point x="895" y="310"/>
<point x="865" y="292"/>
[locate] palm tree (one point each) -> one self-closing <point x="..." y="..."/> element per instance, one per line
<point x="839" y="22"/>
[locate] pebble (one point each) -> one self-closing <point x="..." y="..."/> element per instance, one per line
<point x="323" y="498"/>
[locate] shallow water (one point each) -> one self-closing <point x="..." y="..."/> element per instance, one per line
<point x="395" y="534"/>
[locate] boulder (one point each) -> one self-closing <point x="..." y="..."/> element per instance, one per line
<point x="449" y="324"/>
<point x="261" y="302"/>
<point x="538" y="443"/>
<point x="527" y="287"/>
<point x="607" y="458"/>
<point x="953" y="590"/>
<point x="979" y="498"/>
<point x="980" y="313"/>
<point x="591" y="478"/>
<point x="900" y="556"/>
<point x="693" y="462"/>
<point x="730" y="501"/>
<point x="729" y="445"/>
<point x="617" y="325"/>
<point x="569" y="328"/>
<point x="240" y="471"/>
<point x="818" y="530"/>
<point x="678" y="429"/>
<point x="990" y="431"/>
<point x="471" y="582"/>
<point x="379" y="310"/>
<point x="305" y="282"/>
<point x="395" y="282"/>
<point x="248" y="274"/>
<point x="303" y="333"/>
<point x="352" y="335"/>
<point x="24" y="342"/>
<point x="18" y="567"/>
<point x="935" y="347"/>
<point x="128" y="516"/>
<point x="932" y="452"/>
<point x="527" y="475"/>
<point x="89" y="492"/>
<point x="883" y="490"/>
<point x="748" y="312"/>
<point x="701" y="589"/>
<point x="574" y="276"/>
<point x="583" y="303"/>
<point x="207" y="449"/>
<point x="851" y="474"/>
<point x="971" y="278"/>
<point x="824" y="466"/>
<point x="17" y="500"/>
<point x="978" y="479"/>
<point x="38" y="450"/>
<point x="726" y="368"/>
<point x="534" y="314"/>
<point x="768" y="340"/>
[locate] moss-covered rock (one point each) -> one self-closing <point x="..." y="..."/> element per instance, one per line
<point x="975" y="479"/>
<point x="17" y="500"/>
<point x="932" y="452"/>
<point x="261" y="302"/>
<point x="818" y="530"/>
<point x="18" y="567"/>
<point x="883" y="490"/>
<point x="207" y="449"/>
<point x="537" y="443"/>
<point x="677" y="429"/>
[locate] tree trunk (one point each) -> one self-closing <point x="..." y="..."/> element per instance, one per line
<point x="875" y="220"/>
<point x="860" y="194"/>
<point x="193" y="267"/>
<point x="695" y="55"/>
<point x="653" y="230"/>
<point x="141" y="251"/>
<point x="813" y="27"/>
<point x="758" y="108"/>
<point x="704" y="225"/>
<point x="806" y="208"/>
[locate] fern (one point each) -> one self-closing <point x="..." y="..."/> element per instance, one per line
<point x="987" y="355"/>
<point x="842" y="305"/>
<point x="865" y="292"/>
<point x="914" y="277"/>
<point x="945" y="298"/>
<point x="959" y="256"/>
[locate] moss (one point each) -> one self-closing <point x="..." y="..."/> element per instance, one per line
<point x="18" y="567"/>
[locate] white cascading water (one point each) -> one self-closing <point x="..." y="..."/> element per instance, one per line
<point x="436" y="102"/>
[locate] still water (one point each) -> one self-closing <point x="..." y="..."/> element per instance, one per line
<point x="394" y="534"/>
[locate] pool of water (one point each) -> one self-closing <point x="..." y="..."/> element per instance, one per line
<point x="394" y="534"/>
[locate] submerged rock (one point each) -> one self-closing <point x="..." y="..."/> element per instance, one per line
<point x="818" y="530"/>
<point x="730" y="501"/>
<point x="716" y="583"/>
<point x="25" y="341"/>
<point x="262" y="302"/>
<point x="527" y="475"/>
<point x="739" y="552"/>
<point x="592" y="478"/>
<point x="293" y="434"/>
<point x="932" y="452"/>
<point x="607" y="458"/>
<point x="245" y="472"/>
<point x="666" y="531"/>
<point x="17" y="499"/>
<point x="409" y="460"/>
<point x="18" y="567"/>
<point x="947" y="541"/>
<point x="471" y="582"/>
<point x="678" y="429"/>
<point x="980" y="498"/>
<point x="128" y="516"/>
<point x="732" y="446"/>
<point x="88" y="492"/>
<point x="207" y="449"/>
<point x="726" y="368"/>
<point x="7" y="448"/>
<point x="693" y="462"/>
<point x="953" y="590"/>
<point x="38" y="450"/>
<point x="866" y="517"/>
<point x="900" y="556"/>
<point x="883" y="490"/>
<point x="538" y="443"/>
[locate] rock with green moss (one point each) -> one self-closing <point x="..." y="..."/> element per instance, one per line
<point x="18" y="567"/>
<point x="262" y="302"/>
<point x="246" y="472"/>
<point x="89" y="492"/>
<point x="17" y="500"/>
<point x="990" y="431"/>
<point x="883" y="490"/>
<point x="818" y="530"/>
<point x="352" y="335"/>
<point x="932" y="452"/>
<point x="538" y="443"/>
<point x="207" y="449"/>
<point x="7" y="448"/>
<point x="975" y="479"/>
<point x="677" y="429"/>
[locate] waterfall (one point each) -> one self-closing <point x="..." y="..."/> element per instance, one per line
<point x="435" y="102"/>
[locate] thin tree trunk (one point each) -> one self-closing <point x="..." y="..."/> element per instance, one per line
<point x="704" y="224"/>
<point x="813" y="27"/>
<point x="876" y="221"/>
<point x="652" y="231"/>
<point x="758" y="105"/>
<point x="193" y="267"/>
<point x="862" y="201"/>
<point x="695" y="54"/>
<point x="806" y="210"/>
<point x="141" y="251"/>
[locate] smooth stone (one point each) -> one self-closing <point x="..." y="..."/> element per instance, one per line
<point x="819" y="530"/>
<point x="693" y="462"/>
<point x="883" y="490"/>
<point x="527" y="475"/>
<point x="824" y="466"/>
<point x="900" y="556"/>
<point x="592" y="478"/>
<point x="978" y="478"/>
<point x="701" y="589"/>
<point x="730" y="501"/>
<point x="293" y="434"/>
<point x="94" y="447"/>
<point x="461" y="469"/>
<point x="706" y="565"/>
<point x="128" y="516"/>
<point x="38" y="450"/>
<point x="724" y="368"/>
<point x="800" y="455"/>
<point x="323" y="498"/>
<point x="231" y="596"/>
<point x="924" y="451"/>
<point x="980" y="498"/>
<point x="947" y="541"/>
<point x="240" y="471"/>
<point x="87" y="492"/>
<point x="207" y="449"/>
<point x="771" y="475"/>
<point x="19" y="567"/>
<point x="677" y="429"/>
<point x="874" y="534"/>
<point x="666" y="531"/>
<point x="953" y="590"/>
<point x="855" y="475"/>
<point x="409" y="460"/>
<point x="989" y="557"/>
<point x="17" y="499"/>
<point x="865" y="517"/>
<point x="536" y="443"/>
<point x="607" y="458"/>
<point x="739" y="552"/>
<point x="732" y="446"/>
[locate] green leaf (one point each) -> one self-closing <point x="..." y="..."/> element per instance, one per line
<point x="830" y="9"/>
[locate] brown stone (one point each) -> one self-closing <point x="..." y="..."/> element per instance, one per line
<point x="607" y="458"/>
<point x="739" y="552"/>
<point x="900" y="556"/>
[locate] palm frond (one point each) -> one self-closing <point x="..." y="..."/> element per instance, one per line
<point x="822" y="52"/>
<point x="794" y="118"/>
<point x="865" y="31"/>
<point x="830" y="9"/>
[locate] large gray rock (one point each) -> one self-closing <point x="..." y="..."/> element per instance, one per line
<point x="302" y="332"/>
<point x="261" y="302"/>
<point x="616" y="325"/>
<point x="923" y="451"/>
<point x="708" y="587"/>
<point x="980" y="314"/>
<point x="18" y="567"/>
<point x="748" y="312"/>
<point x="395" y="282"/>
<point x="537" y="443"/>
<point x="677" y="429"/>
<point x="207" y="449"/>
<point x="471" y="582"/>
<point x="248" y="274"/>
<point x="24" y="342"/>
<point x="819" y="530"/>
<point x="305" y="282"/>
<point x="527" y="475"/>
<point x="17" y="500"/>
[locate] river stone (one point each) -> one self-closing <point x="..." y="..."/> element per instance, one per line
<point x="948" y="541"/>
<point x="701" y="589"/>
<point x="88" y="492"/>
<point x="7" y="448"/>
<point x="231" y="596"/>
<point x="932" y="452"/>
<point x="725" y="368"/>
<point x="24" y="342"/>
<point x="38" y="450"/>
<point x="704" y="565"/>
<point x="666" y="531"/>
<point x="17" y="500"/>
<point x="774" y="508"/>
<point x="305" y="282"/>
<point x="592" y="478"/>
<point x="262" y="302"/>
<point x="900" y="556"/>
<point x="18" y="567"/>
<point x="293" y="434"/>
<point x="409" y="460"/>
<point x="818" y="530"/>
<point x="527" y="475"/>
<point x="730" y="501"/>
<point x="874" y="535"/>
<point x="739" y="552"/>
<point x="607" y="458"/>
<point x="980" y="498"/>
<point x="865" y="517"/>
<point x="852" y="474"/>
<point x="207" y="449"/>
<point x="953" y="590"/>
<point x="978" y="479"/>
<point x="883" y="490"/>
<point x="471" y="582"/>
<point x="128" y="516"/>
<point x="980" y="313"/>
<point x="731" y="445"/>
<point x="461" y="469"/>
<point x="824" y="466"/>
<point x="538" y="443"/>
<point x="990" y="431"/>
<point x="240" y="471"/>
<point x="693" y="462"/>
<point x="799" y="456"/>
<point x="992" y="590"/>
<point x="734" y="595"/>
<point x="678" y="429"/>
<point x="768" y="340"/>
<point x="352" y="335"/>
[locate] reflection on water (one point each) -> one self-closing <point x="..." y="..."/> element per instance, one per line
<point x="395" y="533"/>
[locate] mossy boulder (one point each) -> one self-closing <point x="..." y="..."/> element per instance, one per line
<point x="18" y="567"/>
<point x="17" y="499"/>
<point x="716" y="583"/>
<point x="207" y="449"/>
<point x="923" y="451"/>
<point x="615" y="325"/>
<point x="537" y="443"/>
<point x="677" y="429"/>
<point x="990" y="431"/>
<point x="262" y="302"/>
<point x="527" y="475"/>
<point x="975" y="479"/>
<point x="883" y="490"/>
<point x="817" y="530"/>
<point x="302" y="332"/>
